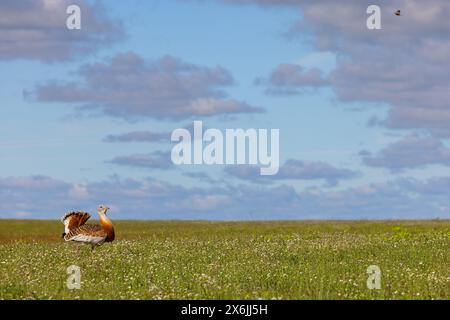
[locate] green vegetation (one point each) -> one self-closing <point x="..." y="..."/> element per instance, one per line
<point x="229" y="260"/>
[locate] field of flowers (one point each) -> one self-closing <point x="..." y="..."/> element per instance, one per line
<point x="230" y="260"/>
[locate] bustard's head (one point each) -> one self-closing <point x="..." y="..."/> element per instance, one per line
<point x="102" y="209"/>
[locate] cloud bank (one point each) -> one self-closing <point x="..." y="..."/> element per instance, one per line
<point x="36" y="29"/>
<point x="149" y="198"/>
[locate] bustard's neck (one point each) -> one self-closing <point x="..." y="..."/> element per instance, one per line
<point x="107" y="226"/>
<point x="104" y="219"/>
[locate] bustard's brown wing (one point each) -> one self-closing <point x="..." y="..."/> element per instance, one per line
<point x="74" y="219"/>
<point x="86" y="233"/>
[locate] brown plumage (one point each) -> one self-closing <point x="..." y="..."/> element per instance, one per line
<point x="76" y="219"/>
<point x="398" y="13"/>
<point x="93" y="230"/>
<point x="77" y="230"/>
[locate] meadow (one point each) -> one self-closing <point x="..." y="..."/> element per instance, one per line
<point x="230" y="260"/>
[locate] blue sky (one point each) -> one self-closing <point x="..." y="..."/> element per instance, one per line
<point x="363" y="115"/>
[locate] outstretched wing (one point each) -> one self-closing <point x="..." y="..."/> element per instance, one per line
<point x="86" y="233"/>
<point x="74" y="219"/>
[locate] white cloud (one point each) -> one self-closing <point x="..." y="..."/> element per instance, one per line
<point x="131" y="87"/>
<point x="79" y="192"/>
<point x="322" y="60"/>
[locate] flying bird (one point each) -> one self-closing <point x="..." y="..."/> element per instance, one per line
<point x="398" y="13"/>
<point x="75" y="228"/>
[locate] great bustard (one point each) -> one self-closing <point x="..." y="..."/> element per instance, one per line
<point x="75" y="228"/>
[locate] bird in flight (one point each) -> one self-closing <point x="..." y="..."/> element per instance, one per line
<point x="75" y="228"/>
<point x="398" y="13"/>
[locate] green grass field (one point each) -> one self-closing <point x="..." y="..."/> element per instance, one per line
<point x="229" y="260"/>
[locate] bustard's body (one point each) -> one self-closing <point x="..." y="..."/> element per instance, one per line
<point x="75" y="228"/>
